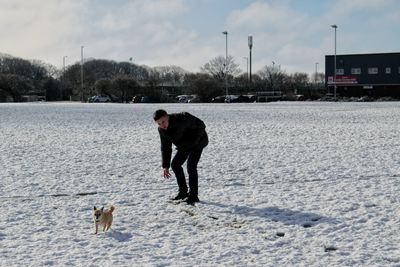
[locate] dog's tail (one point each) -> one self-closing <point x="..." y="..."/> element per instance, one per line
<point x="112" y="208"/>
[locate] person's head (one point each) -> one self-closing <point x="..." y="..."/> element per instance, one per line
<point x="161" y="117"/>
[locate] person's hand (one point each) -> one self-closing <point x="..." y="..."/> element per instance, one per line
<point x="167" y="174"/>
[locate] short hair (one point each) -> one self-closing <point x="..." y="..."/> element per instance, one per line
<point x="159" y="113"/>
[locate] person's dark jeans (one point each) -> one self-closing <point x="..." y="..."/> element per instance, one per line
<point x="192" y="158"/>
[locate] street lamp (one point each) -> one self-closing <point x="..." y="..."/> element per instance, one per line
<point x="130" y="67"/>
<point x="64" y="57"/>
<point x="316" y="72"/>
<point x="247" y="66"/>
<point x="63" y="78"/>
<point x="226" y="63"/>
<point x="334" y="71"/>
<point x="250" y="42"/>
<point x="82" y="73"/>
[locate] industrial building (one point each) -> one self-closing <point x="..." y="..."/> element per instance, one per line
<point x="375" y="75"/>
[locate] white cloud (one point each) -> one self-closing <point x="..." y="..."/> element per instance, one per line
<point x="152" y="33"/>
<point x="264" y="16"/>
<point x="38" y="28"/>
<point x="361" y="5"/>
<point x="111" y="22"/>
<point x="278" y="32"/>
<point x="297" y="40"/>
<point x="50" y="29"/>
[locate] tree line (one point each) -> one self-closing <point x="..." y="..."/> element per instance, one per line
<point x="121" y="81"/>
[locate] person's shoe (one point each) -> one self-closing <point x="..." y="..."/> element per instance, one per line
<point x="180" y="196"/>
<point x="192" y="199"/>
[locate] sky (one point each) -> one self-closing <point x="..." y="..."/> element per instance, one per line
<point x="294" y="34"/>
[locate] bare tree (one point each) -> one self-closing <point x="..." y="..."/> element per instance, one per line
<point x="272" y="78"/>
<point x="171" y="74"/>
<point x="216" y="68"/>
<point x="296" y="83"/>
<point x="103" y="87"/>
<point x="124" y="88"/>
<point x="203" y="85"/>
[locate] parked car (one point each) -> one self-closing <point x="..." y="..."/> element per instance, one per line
<point x="150" y="99"/>
<point x="252" y="98"/>
<point x="99" y="99"/>
<point x="231" y="98"/>
<point x="182" y="98"/>
<point x="194" y="99"/>
<point x="241" y="99"/>
<point x="219" y="99"/>
<point x="137" y="99"/>
<point x="188" y="98"/>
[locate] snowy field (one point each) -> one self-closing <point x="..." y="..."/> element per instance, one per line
<point x="281" y="184"/>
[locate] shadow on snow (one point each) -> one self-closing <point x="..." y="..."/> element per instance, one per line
<point x="275" y="214"/>
<point x="119" y="236"/>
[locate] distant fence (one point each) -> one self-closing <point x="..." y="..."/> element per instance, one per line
<point x="266" y="96"/>
<point x="32" y="98"/>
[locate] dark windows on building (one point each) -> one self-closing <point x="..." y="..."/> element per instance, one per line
<point x="339" y="71"/>
<point x="373" y="70"/>
<point x="375" y="74"/>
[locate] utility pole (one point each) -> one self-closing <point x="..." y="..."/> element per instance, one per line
<point x="250" y="42"/>
<point x="334" y="71"/>
<point x="247" y="67"/>
<point x="82" y="74"/>
<point x="226" y="66"/>
<point x="63" y="80"/>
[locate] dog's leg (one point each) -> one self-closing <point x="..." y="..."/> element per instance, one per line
<point x="96" y="229"/>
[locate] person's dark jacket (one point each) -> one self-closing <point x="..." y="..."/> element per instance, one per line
<point x="186" y="132"/>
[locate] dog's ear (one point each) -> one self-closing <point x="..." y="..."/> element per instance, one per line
<point x="95" y="208"/>
<point x="102" y="208"/>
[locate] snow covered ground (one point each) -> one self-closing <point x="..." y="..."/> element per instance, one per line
<point x="281" y="184"/>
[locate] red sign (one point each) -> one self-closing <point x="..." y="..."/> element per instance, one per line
<point x="342" y="79"/>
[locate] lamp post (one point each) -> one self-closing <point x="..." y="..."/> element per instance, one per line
<point x="64" y="57"/>
<point x="130" y="70"/>
<point x="334" y="70"/>
<point x="226" y="65"/>
<point x="247" y="66"/>
<point x="130" y="66"/>
<point x="250" y="42"/>
<point x="82" y="73"/>
<point x="316" y="72"/>
<point x="63" y="77"/>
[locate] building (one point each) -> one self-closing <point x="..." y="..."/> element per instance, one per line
<point x="375" y="75"/>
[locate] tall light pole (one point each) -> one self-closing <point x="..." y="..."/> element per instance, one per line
<point x="226" y="64"/>
<point x="316" y="72"/>
<point x="63" y="79"/>
<point x="247" y="67"/>
<point x="334" y="71"/>
<point x="82" y="73"/>
<point x="64" y="57"/>
<point x="250" y="42"/>
<point x="130" y="70"/>
<point x="130" y="74"/>
<point x="130" y="66"/>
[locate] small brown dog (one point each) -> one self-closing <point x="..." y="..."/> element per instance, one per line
<point x="103" y="218"/>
